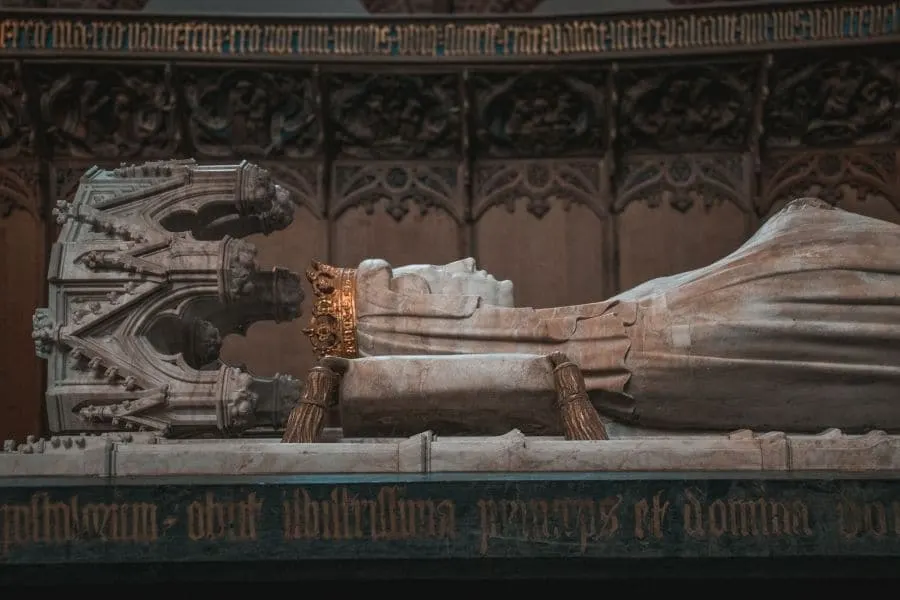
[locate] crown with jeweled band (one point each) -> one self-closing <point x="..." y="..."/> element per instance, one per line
<point x="332" y="326"/>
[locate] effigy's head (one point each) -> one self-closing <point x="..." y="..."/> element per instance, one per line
<point x="459" y="278"/>
<point x="377" y="288"/>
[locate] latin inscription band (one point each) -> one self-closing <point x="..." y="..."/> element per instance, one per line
<point x="457" y="40"/>
<point x="450" y="519"/>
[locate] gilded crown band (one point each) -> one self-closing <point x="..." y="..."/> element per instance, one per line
<point x="332" y="325"/>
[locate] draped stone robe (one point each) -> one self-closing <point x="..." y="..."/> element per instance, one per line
<point x="797" y="330"/>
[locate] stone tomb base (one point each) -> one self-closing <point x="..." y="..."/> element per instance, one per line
<point x="582" y="507"/>
<point x="117" y="455"/>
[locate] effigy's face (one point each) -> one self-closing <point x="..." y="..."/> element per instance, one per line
<point x="461" y="278"/>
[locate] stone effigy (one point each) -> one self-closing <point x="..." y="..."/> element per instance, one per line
<point x="433" y="368"/>
<point x="794" y="331"/>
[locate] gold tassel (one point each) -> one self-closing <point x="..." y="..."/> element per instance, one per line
<point x="579" y="417"/>
<point x="307" y="419"/>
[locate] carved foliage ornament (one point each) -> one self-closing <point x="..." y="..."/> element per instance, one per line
<point x="834" y="102"/>
<point x="19" y="189"/>
<point x="399" y="117"/>
<point x="691" y="108"/>
<point x="540" y="114"/>
<point x="16" y="132"/>
<point x="112" y="112"/>
<point x="253" y="113"/>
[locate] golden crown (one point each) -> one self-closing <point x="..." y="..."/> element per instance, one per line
<point x="332" y="326"/>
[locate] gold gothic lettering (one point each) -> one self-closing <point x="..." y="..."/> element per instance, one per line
<point x="651" y="518"/>
<point x="579" y="520"/>
<point x="386" y="516"/>
<point x="211" y="519"/>
<point x="48" y="521"/>
<point x="738" y="29"/>
<point x="744" y="517"/>
<point x="859" y="519"/>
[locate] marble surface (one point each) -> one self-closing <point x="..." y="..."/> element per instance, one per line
<point x="126" y="455"/>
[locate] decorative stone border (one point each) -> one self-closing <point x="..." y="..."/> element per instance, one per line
<point x="123" y="455"/>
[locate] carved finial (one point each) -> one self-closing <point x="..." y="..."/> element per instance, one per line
<point x="258" y="195"/>
<point x="332" y="326"/>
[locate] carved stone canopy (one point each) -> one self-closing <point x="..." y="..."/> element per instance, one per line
<point x="148" y="275"/>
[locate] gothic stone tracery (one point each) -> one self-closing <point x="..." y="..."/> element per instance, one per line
<point x="149" y="275"/>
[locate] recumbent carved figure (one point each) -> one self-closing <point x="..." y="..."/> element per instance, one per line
<point x="794" y="331"/>
<point x="797" y="331"/>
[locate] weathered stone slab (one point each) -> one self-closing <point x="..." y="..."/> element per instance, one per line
<point x="118" y="455"/>
<point x="416" y="517"/>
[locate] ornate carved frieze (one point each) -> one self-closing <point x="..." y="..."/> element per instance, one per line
<point x="108" y="111"/>
<point x="687" y="108"/>
<point x="16" y="131"/>
<point x="396" y="116"/>
<point x="854" y="99"/>
<point x="686" y="180"/>
<point x="540" y="114"/>
<point x="252" y="113"/>
<point x="830" y="175"/>
<point x="20" y="188"/>
<point x="399" y="188"/>
<point x="540" y="184"/>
